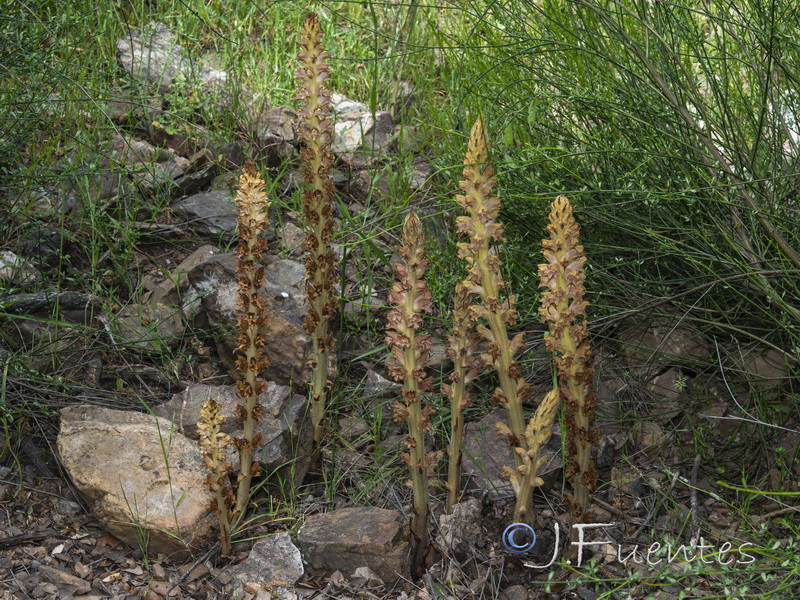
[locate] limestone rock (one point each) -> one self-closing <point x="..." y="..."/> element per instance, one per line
<point x="152" y="53"/>
<point x="285" y="426"/>
<point x="356" y="126"/>
<point x="288" y="348"/>
<point x="349" y="538"/>
<point x="172" y="289"/>
<point x="274" y="563"/>
<point x="119" y="460"/>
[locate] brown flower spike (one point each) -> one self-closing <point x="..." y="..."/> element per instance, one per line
<point x="564" y="309"/>
<point x="214" y="446"/>
<point x="485" y="279"/>
<point x="463" y="344"/>
<point x="252" y="201"/>
<point x="409" y="355"/>
<point x="315" y="132"/>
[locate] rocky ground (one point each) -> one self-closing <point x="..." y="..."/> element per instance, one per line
<point x="102" y="485"/>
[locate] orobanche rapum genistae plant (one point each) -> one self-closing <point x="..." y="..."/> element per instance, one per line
<point x="485" y="281"/>
<point x="410" y="298"/>
<point x="564" y="309"/>
<point x="315" y="132"/>
<point x="464" y="342"/>
<point x="252" y="201"/>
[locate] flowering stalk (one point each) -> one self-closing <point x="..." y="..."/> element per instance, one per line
<point x="315" y="131"/>
<point x="564" y="309"/>
<point x="252" y="221"/>
<point x="484" y="278"/>
<point x="409" y="355"/>
<point x="463" y="344"/>
<point x="526" y="475"/>
<point x="214" y="446"/>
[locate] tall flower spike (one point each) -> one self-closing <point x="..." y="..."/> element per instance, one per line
<point x="251" y="198"/>
<point x="564" y="309"/>
<point x="315" y="132"/>
<point x="485" y="279"/>
<point x="463" y="344"/>
<point x="409" y="355"/>
<point x="214" y="446"/>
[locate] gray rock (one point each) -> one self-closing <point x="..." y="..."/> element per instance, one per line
<point x="486" y="453"/>
<point x="144" y="481"/>
<point x="172" y="288"/>
<point x="460" y="531"/>
<point x="288" y="348"/>
<point x="344" y="108"/>
<point x="648" y="346"/>
<point x="127" y="165"/>
<point x="763" y="371"/>
<point x="15" y="270"/>
<point x="152" y="53"/>
<point x="147" y="327"/>
<point x="208" y="213"/>
<point x="274" y="562"/>
<point x="274" y="133"/>
<point x="349" y="538"/>
<point x="285" y="427"/>
<point x="292" y="238"/>
<point x="357" y="126"/>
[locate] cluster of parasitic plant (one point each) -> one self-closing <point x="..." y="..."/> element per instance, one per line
<point x="252" y="201"/>
<point x="483" y="312"/>
<point x="315" y="131"/>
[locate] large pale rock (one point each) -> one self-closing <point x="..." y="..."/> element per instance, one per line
<point x="288" y="348"/>
<point x="285" y="426"/>
<point x="349" y="538"/>
<point x="142" y="479"/>
<point x="274" y="133"/>
<point x="15" y="270"/>
<point x="152" y="53"/>
<point x="357" y="126"/>
<point x="128" y="165"/>
<point x="274" y="563"/>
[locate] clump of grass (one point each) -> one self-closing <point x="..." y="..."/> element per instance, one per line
<point x="564" y="309"/>
<point x="315" y="131"/>
<point x="485" y="280"/>
<point x="410" y="298"/>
